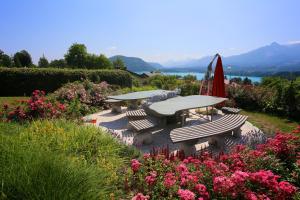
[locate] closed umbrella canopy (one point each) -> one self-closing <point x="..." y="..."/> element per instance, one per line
<point x="218" y="89"/>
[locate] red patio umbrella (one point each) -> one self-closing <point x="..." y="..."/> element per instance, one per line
<point x="218" y="89"/>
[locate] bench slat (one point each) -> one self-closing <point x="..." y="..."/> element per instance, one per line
<point x="142" y="124"/>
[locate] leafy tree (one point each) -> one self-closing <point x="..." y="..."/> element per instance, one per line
<point x="76" y="56"/>
<point x="119" y="64"/>
<point x="103" y="62"/>
<point x="247" y="81"/>
<point x="290" y="100"/>
<point x="22" y="59"/>
<point x="43" y="62"/>
<point x="61" y="63"/>
<point x="5" y="60"/>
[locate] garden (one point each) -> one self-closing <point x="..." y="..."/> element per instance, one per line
<point x="47" y="152"/>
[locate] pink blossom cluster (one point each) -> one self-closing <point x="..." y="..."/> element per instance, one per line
<point x="38" y="106"/>
<point x="269" y="172"/>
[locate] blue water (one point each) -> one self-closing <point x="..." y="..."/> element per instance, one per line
<point x="200" y="76"/>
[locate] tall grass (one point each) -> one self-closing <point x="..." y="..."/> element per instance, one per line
<point x="61" y="160"/>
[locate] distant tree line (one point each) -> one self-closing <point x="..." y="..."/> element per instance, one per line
<point x="76" y="57"/>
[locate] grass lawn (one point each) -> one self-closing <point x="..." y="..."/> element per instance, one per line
<point x="270" y="123"/>
<point x="10" y="100"/>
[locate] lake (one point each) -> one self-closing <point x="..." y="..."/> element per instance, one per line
<point x="201" y="75"/>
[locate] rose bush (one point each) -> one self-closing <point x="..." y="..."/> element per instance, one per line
<point x="271" y="171"/>
<point x="38" y="106"/>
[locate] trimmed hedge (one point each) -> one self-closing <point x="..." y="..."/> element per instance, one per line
<point x="22" y="81"/>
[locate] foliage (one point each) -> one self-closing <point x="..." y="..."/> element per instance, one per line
<point x="38" y="106"/>
<point x="61" y="63"/>
<point x="119" y="64"/>
<point x="22" y="59"/>
<point x="59" y="159"/>
<point x="164" y="82"/>
<point x="274" y="95"/>
<point x="17" y="82"/>
<point x="269" y="172"/>
<point x="43" y="62"/>
<point x="5" y="60"/>
<point x="82" y="98"/>
<point x="78" y="57"/>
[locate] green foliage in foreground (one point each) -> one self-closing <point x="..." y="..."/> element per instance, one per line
<point x="60" y="160"/>
<point x="20" y="81"/>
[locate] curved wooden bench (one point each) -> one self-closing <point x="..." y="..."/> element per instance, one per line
<point x="213" y="130"/>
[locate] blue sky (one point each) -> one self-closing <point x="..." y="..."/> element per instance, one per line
<point x="155" y="30"/>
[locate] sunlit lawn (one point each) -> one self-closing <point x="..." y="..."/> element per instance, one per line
<point x="11" y="100"/>
<point x="270" y="123"/>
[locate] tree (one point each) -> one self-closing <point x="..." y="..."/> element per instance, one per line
<point x="103" y="62"/>
<point x="61" y="63"/>
<point x="22" y="59"/>
<point x="247" y="81"/>
<point x="5" y="60"/>
<point x="119" y="64"/>
<point x="43" y="62"/>
<point x="290" y="100"/>
<point x="76" y="56"/>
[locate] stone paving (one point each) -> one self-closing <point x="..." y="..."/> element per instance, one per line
<point x="161" y="137"/>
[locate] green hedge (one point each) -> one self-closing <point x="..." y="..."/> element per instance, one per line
<point x="22" y="81"/>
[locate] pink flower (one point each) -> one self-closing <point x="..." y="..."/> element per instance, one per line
<point x="135" y="165"/>
<point x="186" y="194"/>
<point x="249" y="195"/>
<point x="146" y="156"/>
<point x="287" y="188"/>
<point x="169" y="180"/>
<point x="239" y="177"/>
<point x="151" y="178"/>
<point x="182" y="168"/>
<point x="140" y="196"/>
<point x="202" y="191"/>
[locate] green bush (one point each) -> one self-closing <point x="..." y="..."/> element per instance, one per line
<point x="59" y="159"/>
<point x="31" y="173"/>
<point x="22" y="81"/>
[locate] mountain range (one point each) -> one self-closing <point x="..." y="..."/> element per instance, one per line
<point x="273" y="57"/>
<point x="270" y="58"/>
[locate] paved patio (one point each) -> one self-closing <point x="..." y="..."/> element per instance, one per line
<point x="117" y="123"/>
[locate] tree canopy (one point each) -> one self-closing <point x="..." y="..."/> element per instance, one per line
<point x="43" y="62"/>
<point x="22" y="59"/>
<point x="119" y="64"/>
<point x="5" y="60"/>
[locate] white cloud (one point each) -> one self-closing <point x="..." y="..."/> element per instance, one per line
<point x="112" y="48"/>
<point x="294" y="42"/>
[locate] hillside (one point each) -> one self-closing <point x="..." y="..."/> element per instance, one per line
<point x="270" y="58"/>
<point x="135" y="64"/>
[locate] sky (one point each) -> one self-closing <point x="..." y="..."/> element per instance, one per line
<point x="155" y="30"/>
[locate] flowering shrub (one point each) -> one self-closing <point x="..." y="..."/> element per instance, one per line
<point x="269" y="172"/>
<point x="38" y="106"/>
<point x="82" y="97"/>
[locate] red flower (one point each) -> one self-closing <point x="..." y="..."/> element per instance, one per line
<point x="186" y="194"/>
<point x="135" y="165"/>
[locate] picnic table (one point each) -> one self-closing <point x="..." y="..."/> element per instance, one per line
<point x="133" y="97"/>
<point x="174" y="105"/>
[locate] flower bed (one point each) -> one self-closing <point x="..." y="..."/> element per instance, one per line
<point x="271" y="171"/>
<point x="38" y="106"/>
